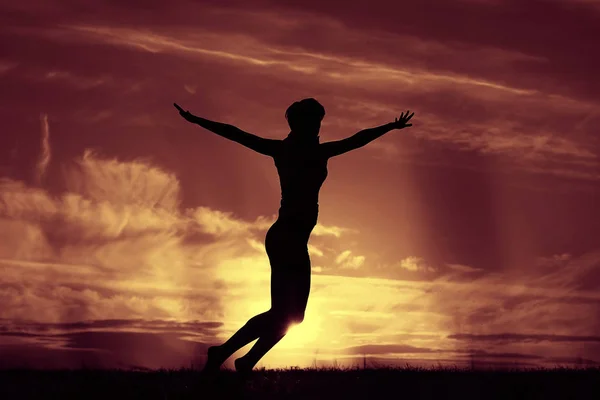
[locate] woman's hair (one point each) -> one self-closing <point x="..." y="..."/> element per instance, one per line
<point x="304" y="111"/>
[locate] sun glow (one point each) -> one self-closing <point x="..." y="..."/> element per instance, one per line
<point x="304" y="334"/>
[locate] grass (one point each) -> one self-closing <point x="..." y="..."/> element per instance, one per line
<point x="331" y="384"/>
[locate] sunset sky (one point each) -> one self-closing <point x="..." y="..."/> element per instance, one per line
<point x="131" y="238"/>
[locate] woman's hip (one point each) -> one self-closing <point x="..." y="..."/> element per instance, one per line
<point x="286" y="233"/>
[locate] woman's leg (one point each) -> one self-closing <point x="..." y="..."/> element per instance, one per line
<point x="290" y="288"/>
<point x="262" y="346"/>
<point x="256" y="325"/>
<point x="246" y="334"/>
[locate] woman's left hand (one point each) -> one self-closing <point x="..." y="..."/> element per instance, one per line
<point x="401" y="122"/>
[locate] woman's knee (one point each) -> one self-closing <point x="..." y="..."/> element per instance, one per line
<point x="289" y="316"/>
<point x="297" y="317"/>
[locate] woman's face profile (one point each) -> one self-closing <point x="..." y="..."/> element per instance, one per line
<point x="309" y="126"/>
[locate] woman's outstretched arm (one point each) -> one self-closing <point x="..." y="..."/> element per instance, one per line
<point x="365" y="136"/>
<point x="256" y="143"/>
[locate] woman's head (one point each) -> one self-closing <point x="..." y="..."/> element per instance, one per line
<point x="305" y="116"/>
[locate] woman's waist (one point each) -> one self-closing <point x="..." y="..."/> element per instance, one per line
<point x="300" y="213"/>
<point x="299" y="207"/>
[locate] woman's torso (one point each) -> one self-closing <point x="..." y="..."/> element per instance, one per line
<point x="302" y="170"/>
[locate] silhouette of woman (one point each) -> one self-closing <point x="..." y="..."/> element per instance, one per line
<point x="301" y="161"/>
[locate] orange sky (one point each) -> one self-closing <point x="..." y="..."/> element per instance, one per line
<point x="129" y="237"/>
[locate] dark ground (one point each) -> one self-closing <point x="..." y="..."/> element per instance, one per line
<point x="405" y="383"/>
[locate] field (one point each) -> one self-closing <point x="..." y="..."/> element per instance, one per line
<point x="406" y="383"/>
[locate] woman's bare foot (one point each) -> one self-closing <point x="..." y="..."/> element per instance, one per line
<point x="242" y="366"/>
<point x="214" y="359"/>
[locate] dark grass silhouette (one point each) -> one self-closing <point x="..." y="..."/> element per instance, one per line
<point x="410" y="383"/>
<point x="301" y="162"/>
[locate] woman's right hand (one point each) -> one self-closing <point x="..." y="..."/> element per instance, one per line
<point x="185" y="114"/>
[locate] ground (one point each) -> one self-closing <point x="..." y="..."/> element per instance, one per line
<point x="408" y="383"/>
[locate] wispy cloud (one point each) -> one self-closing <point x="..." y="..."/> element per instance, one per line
<point x="346" y="260"/>
<point x="415" y="264"/>
<point x="44" y="159"/>
<point x="251" y="51"/>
